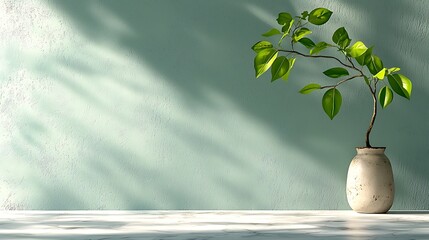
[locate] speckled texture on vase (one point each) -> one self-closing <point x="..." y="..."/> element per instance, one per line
<point x="370" y="183"/>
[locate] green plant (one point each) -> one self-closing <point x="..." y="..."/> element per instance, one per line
<point x="357" y="58"/>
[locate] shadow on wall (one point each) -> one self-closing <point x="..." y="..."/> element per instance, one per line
<point x="200" y="52"/>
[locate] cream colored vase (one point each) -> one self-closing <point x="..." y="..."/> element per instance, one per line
<point x="370" y="186"/>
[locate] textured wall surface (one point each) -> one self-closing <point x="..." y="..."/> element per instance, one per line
<point x="154" y="105"/>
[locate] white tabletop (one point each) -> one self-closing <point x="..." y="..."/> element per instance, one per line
<point x="213" y="225"/>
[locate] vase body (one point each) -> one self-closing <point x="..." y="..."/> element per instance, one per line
<point x="370" y="185"/>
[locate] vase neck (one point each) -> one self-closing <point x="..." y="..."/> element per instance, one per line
<point x="378" y="150"/>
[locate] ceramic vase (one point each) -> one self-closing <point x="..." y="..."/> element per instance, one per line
<point x="370" y="185"/>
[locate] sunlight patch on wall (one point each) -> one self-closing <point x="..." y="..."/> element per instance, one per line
<point x="91" y="124"/>
<point x="112" y="25"/>
<point x="262" y="15"/>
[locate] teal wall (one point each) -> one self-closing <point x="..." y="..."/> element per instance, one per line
<point x="154" y="105"/>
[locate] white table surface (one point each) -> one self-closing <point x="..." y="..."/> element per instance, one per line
<point x="213" y="225"/>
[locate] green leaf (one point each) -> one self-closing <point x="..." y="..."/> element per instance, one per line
<point x="319" y="16"/>
<point x="281" y="39"/>
<point x="279" y="68"/>
<point x="365" y="58"/>
<point x="341" y="38"/>
<point x="309" y="88"/>
<point x="319" y="47"/>
<point x="400" y="85"/>
<point x="331" y="102"/>
<point x="336" y="72"/>
<point x="392" y="70"/>
<point x="261" y="45"/>
<point x="380" y="75"/>
<point x="300" y="34"/>
<point x="375" y="64"/>
<point x="286" y="28"/>
<point x="284" y="18"/>
<point x="263" y="61"/>
<point x="385" y="96"/>
<point x="357" y="49"/>
<point x="271" y="32"/>
<point x="304" y="15"/>
<point x="366" y="80"/>
<point x="307" y="42"/>
<point x="287" y="25"/>
<point x="291" y="63"/>
<point x="339" y="35"/>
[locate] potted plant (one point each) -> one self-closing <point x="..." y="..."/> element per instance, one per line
<point x="370" y="185"/>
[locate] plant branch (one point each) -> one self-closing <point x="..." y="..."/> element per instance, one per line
<point x="320" y="56"/>
<point x="371" y="123"/>
<point x="342" y="81"/>
<point x="351" y="62"/>
<point x="374" y="113"/>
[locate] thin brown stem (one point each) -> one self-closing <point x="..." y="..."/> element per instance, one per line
<point x="318" y="56"/>
<point x="342" y="81"/>
<point x="371" y="124"/>
<point x="374" y="113"/>
<point x="351" y="62"/>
